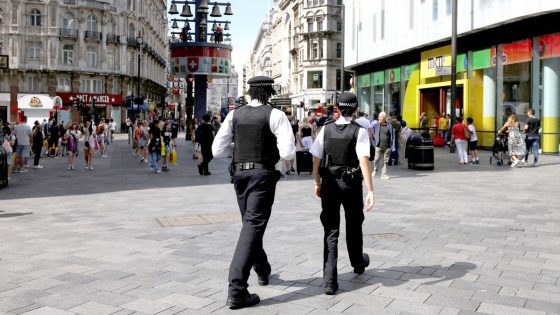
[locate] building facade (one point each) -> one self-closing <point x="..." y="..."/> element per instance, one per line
<point x="300" y="47"/>
<point x="220" y="89"/>
<point x="87" y="52"/>
<point x="508" y="61"/>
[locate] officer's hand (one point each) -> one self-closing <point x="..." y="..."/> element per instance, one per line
<point x="318" y="191"/>
<point x="370" y="200"/>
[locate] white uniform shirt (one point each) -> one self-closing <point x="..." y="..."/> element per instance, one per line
<point x="362" y="121"/>
<point x="279" y="126"/>
<point x="362" y="143"/>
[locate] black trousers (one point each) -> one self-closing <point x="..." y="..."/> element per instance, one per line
<point x="206" y="151"/>
<point x="255" y="191"/>
<point x="335" y="192"/>
<point x="36" y="155"/>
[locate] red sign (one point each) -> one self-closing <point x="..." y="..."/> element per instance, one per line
<point x="549" y="46"/>
<point x="87" y="98"/>
<point x="514" y="53"/>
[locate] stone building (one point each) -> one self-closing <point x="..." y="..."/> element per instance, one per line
<point x="85" y="51"/>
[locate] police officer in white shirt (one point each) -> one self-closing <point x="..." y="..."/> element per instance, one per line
<point x="340" y="161"/>
<point x="261" y="135"/>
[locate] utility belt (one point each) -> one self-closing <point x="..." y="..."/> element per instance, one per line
<point x="251" y="166"/>
<point x="346" y="173"/>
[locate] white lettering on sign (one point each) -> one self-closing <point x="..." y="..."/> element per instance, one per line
<point x="438" y="61"/>
<point x="89" y="98"/>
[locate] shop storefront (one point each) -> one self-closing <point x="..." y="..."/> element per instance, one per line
<point x="492" y="83"/>
<point x="35" y="107"/>
<point x="85" y="106"/>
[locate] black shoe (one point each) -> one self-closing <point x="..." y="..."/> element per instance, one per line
<point x="292" y="170"/>
<point x="247" y="301"/>
<point x="362" y="269"/>
<point x="330" y="288"/>
<point x="207" y="173"/>
<point x="200" y="170"/>
<point x="263" y="280"/>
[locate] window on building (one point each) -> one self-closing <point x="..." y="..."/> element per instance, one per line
<point x="116" y="88"/>
<point x="448" y="7"/>
<point x="35" y="50"/>
<point x="35" y="17"/>
<point x="112" y="27"/>
<point x="33" y="84"/>
<point x="339" y="2"/>
<point x="338" y="79"/>
<point x="339" y="26"/>
<point x="309" y="3"/>
<point x="68" y="21"/>
<point x="131" y="63"/>
<point x="130" y="4"/>
<point x="382" y="19"/>
<point x="96" y="86"/>
<point x="91" y="56"/>
<point x="310" y="25"/>
<point x="315" y="79"/>
<point x="92" y="23"/>
<point x="315" y="50"/>
<point x="68" y="54"/>
<point x="434" y="9"/>
<point x="64" y="85"/>
<point x="315" y="2"/>
<point x="411" y="14"/>
<point x="374" y="24"/>
<point x="319" y="24"/>
<point x="338" y="50"/>
<point x="91" y="86"/>
<point x="111" y="59"/>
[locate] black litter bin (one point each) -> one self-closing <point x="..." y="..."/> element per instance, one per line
<point x="3" y="168"/>
<point x="420" y="151"/>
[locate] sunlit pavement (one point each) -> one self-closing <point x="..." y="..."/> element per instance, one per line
<point x="122" y="240"/>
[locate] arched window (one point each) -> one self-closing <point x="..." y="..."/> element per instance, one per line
<point x="68" y="21"/>
<point x="35" y="17"/>
<point x="131" y="31"/>
<point x="92" y="23"/>
<point x="112" y="26"/>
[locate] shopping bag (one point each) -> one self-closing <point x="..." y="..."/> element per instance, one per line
<point x="173" y="156"/>
<point x="163" y="149"/>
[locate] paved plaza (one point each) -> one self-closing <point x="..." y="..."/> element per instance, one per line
<point x="475" y="239"/>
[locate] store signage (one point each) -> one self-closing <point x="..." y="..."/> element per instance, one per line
<point x="364" y="80"/>
<point x="87" y="98"/>
<point x="436" y="61"/>
<point x="408" y="70"/>
<point x="394" y="75"/>
<point x="549" y="46"/>
<point x="443" y="70"/>
<point x="514" y="53"/>
<point x="378" y="78"/>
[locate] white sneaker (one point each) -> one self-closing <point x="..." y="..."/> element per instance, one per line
<point x="104" y="155"/>
<point x="69" y="168"/>
<point x="37" y="166"/>
<point x="23" y="171"/>
<point x="385" y="177"/>
<point x="536" y="163"/>
<point x="91" y="168"/>
<point x="514" y="164"/>
<point x="373" y="174"/>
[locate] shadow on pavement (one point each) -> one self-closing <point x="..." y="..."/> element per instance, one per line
<point x="454" y="271"/>
<point x="12" y="215"/>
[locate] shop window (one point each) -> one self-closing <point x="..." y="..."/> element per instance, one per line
<point x="547" y="109"/>
<point x="315" y="79"/>
<point x="364" y="93"/>
<point x="68" y="54"/>
<point x="35" y="50"/>
<point x="35" y="17"/>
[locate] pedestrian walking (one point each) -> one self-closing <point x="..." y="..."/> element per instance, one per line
<point x="8" y="142"/>
<point x="532" y="141"/>
<point x="305" y="132"/>
<point x="458" y="136"/>
<point x="384" y="143"/>
<point x="168" y="141"/>
<point x="204" y="136"/>
<point x="295" y="128"/>
<point x="89" y="144"/>
<point x="154" y="146"/>
<point x="37" y="144"/>
<point x="261" y="135"/>
<point x="340" y="161"/>
<point x="516" y="141"/>
<point x="73" y="135"/>
<point x="423" y="122"/>
<point x="23" y="134"/>
<point x="473" y="141"/>
<point x="444" y="127"/>
<point x="101" y="134"/>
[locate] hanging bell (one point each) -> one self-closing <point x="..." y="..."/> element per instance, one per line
<point x="188" y="26"/>
<point x="212" y="38"/>
<point x="173" y="9"/>
<point x="202" y="6"/>
<point x="228" y="10"/>
<point x="172" y="36"/>
<point x="186" y="11"/>
<point x="202" y="20"/>
<point x="174" y="25"/>
<point x="189" y="37"/>
<point x="214" y="27"/>
<point x="226" y="27"/>
<point x="216" y="11"/>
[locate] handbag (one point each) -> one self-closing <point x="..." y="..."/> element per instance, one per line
<point x="173" y="156"/>
<point x="452" y="148"/>
<point x="7" y="147"/>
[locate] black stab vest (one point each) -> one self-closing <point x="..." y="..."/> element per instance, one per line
<point x="254" y="142"/>
<point x="340" y="144"/>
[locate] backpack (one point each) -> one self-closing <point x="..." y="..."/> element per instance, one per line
<point x="99" y="129"/>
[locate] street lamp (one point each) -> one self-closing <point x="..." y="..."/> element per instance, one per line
<point x="139" y="41"/>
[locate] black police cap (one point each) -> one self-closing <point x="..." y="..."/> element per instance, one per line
<point x="260" y="81"/>
<point x="347" y="100"/>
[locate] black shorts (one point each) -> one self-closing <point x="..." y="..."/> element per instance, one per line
<point x="473" y="145"/>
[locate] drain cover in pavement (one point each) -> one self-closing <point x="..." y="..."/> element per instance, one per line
<point x="385" y="235"/>
<point x="200" y="219"/>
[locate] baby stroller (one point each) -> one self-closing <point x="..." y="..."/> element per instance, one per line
<point x="500" y="149"/>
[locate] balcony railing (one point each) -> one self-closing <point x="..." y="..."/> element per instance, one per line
<point x="92" y="35"/>
<point x="112" y="38"/>
<point x="72" y="2"/>
<point x="68" y="33"/>
<point x="131" y="42"/>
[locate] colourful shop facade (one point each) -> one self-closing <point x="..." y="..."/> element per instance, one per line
<point x="489" y="89"/>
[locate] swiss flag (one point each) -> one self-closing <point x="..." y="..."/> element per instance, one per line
<point x="192" y="64"/>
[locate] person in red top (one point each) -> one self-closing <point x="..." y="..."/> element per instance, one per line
<point x="458" y="134"/>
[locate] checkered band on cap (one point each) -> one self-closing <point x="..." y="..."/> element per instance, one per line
<point x="260" y="81"/>
<point x="347" y="100"/>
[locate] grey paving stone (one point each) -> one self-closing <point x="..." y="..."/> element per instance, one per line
<point x="498" y="309"/>
<point x="456" y="302"/>
<point x="47" y="310"/>
<point x="146" y="306"/>
<point x="94" y="308"/>
<point x="539" y="305"/>
<point x="417" y="308"/>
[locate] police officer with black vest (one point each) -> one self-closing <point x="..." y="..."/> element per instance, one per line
<point x="261" y="135"/>
<point x="340" y="161"/>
